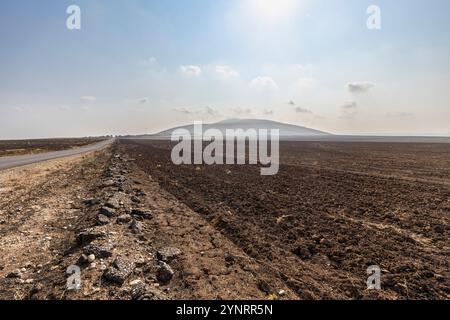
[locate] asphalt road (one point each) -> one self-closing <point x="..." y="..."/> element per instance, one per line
<point x="17" y="161"/>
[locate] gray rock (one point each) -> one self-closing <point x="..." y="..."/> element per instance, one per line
<point x="91" y="202"/>
<point x="16" y="274"/>
<point x="164" y="273"/>
<point x="168" y="254"/>
<point x="119" y="271"/>
<point x="106" y="211"/>
<point x="89" y="235"/>
<point x="136" y="227"/>
<point x="101" y="251"/>
<point x="125" y="218"/>
<point x="113" y="203"/>
<point x="138" y="289"/>
<point x="102" y="219"/>
<point x="142" y="213"/>
<point x="108" y="183"/>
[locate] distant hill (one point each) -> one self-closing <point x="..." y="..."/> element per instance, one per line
<point x="286" y="130"/>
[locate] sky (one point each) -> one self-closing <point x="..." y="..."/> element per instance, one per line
<point x="141" y="66"/>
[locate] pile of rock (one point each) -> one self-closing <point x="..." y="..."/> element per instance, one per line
<point x="120" y="209"/>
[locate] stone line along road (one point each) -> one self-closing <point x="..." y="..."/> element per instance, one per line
<point x="17" y="161"/>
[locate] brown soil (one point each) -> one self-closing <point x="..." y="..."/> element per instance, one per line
<point x="309" y="232"/>
<point x="333" y="210"/>
<point x="20" y="147"/>
<point x="45" y="207"/>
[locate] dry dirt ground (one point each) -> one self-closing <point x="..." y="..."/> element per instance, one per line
<point x="333" y="210"/>
<point x="147" y="244"/>
<point x="139" y="227"/>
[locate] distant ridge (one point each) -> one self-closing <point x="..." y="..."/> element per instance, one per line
<point x="286" y="130"/>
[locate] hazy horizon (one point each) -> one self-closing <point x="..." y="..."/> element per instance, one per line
<point x="141" y="67"/>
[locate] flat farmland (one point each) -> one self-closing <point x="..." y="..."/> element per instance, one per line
<point x="21" y="147"/>
<point x="333" y="210"/>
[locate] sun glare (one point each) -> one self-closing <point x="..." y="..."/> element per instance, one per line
<point x="273" y="10"/>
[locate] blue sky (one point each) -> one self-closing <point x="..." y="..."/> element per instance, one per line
<point x="139" y="65"/>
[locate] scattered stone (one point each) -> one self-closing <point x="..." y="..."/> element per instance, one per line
<point x="91" y="258"/>
<point x="281" y="293"/>
<point x="113" y="203"/>
<point x="91" y="202"/>
<point x="89" y="235"/>
<point x="140" y="193"/>
<point x="106" y="211"/>
<point x="16" y="274"/>
<point x="142" y="213"/>
<point x="36" y="288"/>
<point x="138" y="289"/>
<point x="102" y="219"/>
<point x="302" y="252"/>
<point x="125" y="218"/>
<point x="119" y="271"/>
<point x="108" y="183"/>
<point x="83" y="259"/>
<point x="100" y="251"/>
<point x="164" y="273"/>
<point x="229" y="260"/>
<point x="136" y="227"/>
<point x="264" y="286"/>
<point x="168" y="254"/>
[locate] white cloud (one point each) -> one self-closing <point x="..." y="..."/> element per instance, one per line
<point x="191" y="71"/>
<point x="211" y="112"/>
<point x="143" y="100"/>
<point x="64" y="108"/>
<point x="226" y="72"/>
<point x="349" y="110"/>
<point x="206" y="111"/>
<point x="304" y="84"/>
<point x="183" y="110"/>
<point x="242" y="111"/>
<point x="88" y="98"/>
<point x="360" y="87"/>
<point x="349" y="105"/>
<point x="399" y="115"/>
<point x="264" y="83"/>
<point x="302" y="110"/>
